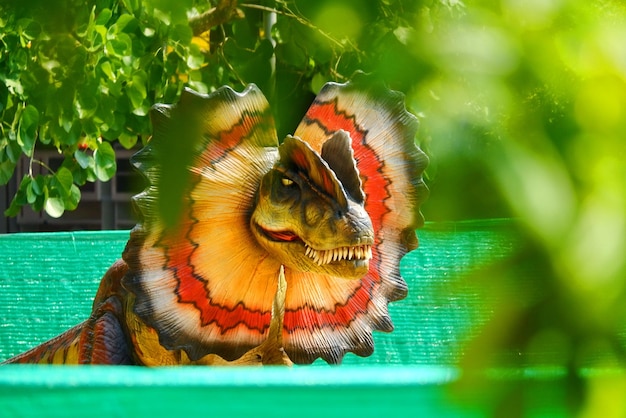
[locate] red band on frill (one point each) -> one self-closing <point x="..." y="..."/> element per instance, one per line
<point x="331" y="119"/>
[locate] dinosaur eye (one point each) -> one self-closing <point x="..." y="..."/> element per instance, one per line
<point x="286" y="181"/>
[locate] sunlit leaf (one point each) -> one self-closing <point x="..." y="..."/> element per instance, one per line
<point x="54" y="206"/>
<point x="83" y="159"/>
<point x="195" y="59"/>
<point x="104" y="158"/>
<point x="127" y="141"/>
<point x="107" y="69"/>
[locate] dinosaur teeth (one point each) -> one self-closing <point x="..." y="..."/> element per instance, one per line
<point x="356" y="252"/>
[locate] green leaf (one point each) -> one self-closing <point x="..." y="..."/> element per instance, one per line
<point x="83" y="29"/>
<point x="107" y="69"/>
<point x="14" y="86"/>
<point x="29" y="30"/>
<point x="63" y="181"/>
<point x="127" y="141"/>
<point x="181" y="33"/>
<point x="4" y="96"/>
<point x="54" y="207"/>
<point x="90" y="128"/>
<point x="98" y="36"/>
<point x="164" y="17"/>
<point x="45" y="137"/>
<point x="27" y="132"/>
<point x="125" y="23"/>
<point x="31" y="196"/>
<point x="18" y="60"/>
<point x="83" y="159"/>
<point x="114" y="124"/>
<point x="195" y="59"/>
<point x="136" y="97"/>
<point x="19" y="199"/>
<point x="103" y="17"/>
<point x="404" y="34"/>
<point x="137" y="93"/>
<point x="119" y="45"/>
<point x="86" y="105"/>
<point x="37" y="205"/>
<point x="140" y="78"/>
<point x="148" y="32"/>
<point x="7" y="167"/>
<point x="131" y="5"/>
<point x="73" y="135"/>
<point x="106" y="165"/>
<point x="292" y="53"/>
<point x="72" y="199"/>
<point x="39" y="185"/>
<point x="13" y="151"/>
<point x="317" y="82"/>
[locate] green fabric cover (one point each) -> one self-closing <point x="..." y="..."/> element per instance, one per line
<point x="48" y="281"/>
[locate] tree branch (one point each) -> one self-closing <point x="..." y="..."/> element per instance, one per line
<point x="225" y="11"/>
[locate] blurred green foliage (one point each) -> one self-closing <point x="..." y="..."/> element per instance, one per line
<point x="522" y="107"/>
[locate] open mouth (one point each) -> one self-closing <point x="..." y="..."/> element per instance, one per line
<point x="322" y="257"/>
<point x="355" y="252"/>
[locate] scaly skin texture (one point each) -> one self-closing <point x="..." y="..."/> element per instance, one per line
<point x="255" y="252"/>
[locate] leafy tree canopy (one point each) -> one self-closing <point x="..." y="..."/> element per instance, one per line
<point x="81" y="76"/>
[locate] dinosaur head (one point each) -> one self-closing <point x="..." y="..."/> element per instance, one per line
<point x="309" y="213"/>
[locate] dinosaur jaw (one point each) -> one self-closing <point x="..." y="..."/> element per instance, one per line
<point x="350" y="252"/>
<point x="350" y="261"/>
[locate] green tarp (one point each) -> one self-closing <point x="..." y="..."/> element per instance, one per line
<point x="48" y="281"/>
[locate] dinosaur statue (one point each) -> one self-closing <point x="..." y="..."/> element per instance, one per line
<point x="253" y="252"/>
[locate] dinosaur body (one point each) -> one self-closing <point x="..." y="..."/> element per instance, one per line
<point x="114" y="334"/>
<point x="255" y="252"/>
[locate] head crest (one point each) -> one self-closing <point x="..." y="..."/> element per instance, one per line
<point x="299" y="158"/>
